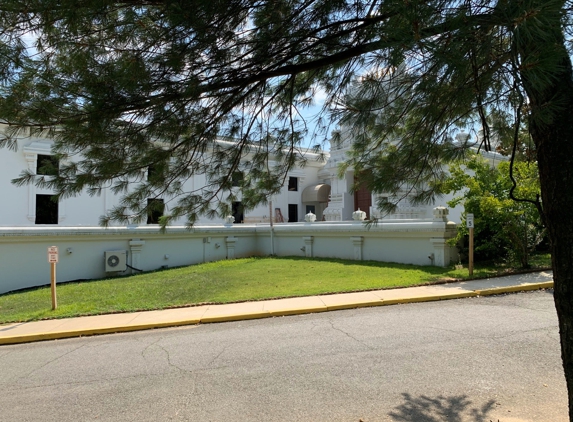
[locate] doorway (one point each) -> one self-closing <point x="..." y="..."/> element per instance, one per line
<point x="292" y="213"/>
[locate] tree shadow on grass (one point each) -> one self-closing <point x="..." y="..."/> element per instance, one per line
<point x="441" y="409"/>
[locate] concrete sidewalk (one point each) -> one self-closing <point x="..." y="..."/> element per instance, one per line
<point x="113" y="323"/>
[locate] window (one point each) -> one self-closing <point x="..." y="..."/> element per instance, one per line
<point x="238" y="212"/>
<point x="47" y="165"/>
<point x="155" y="174"/>
<point x="237" y="178"/>
<point x="292" y="213"/>
<point x="311" y="208"/>
<point x="46" y="210"/>
<point x="293" y="183"/>
<point x="155" y="209"/>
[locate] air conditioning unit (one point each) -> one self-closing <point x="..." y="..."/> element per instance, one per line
<point x="115" y="261"/>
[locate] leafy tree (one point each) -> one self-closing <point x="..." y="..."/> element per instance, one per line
<point x="130" y="84"/>
<point x="504" y="228"/>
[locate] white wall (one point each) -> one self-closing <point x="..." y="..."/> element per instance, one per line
<point x="23" y="251"/>
<point x="14" y="207"/>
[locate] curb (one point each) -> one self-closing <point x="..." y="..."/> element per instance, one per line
<point x="514" y="289"/>
<point x="430" y="298"/>
<point x="355" y="305"/>
<point x="56" y="335"/>
<point x="235" y="317"/>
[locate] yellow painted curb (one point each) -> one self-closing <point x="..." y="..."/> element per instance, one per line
<point x="237" y="317"/>
<point x="428" y="298"/>
<point x="514" y="289"/>
<point x="57" y="335"/>
<point x="298" y="311"/>
<point x="354" y="305"/>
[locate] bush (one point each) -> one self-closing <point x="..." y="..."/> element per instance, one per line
<point x="503" y="228"/>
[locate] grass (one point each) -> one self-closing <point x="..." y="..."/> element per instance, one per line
<point x="224" y="282"/>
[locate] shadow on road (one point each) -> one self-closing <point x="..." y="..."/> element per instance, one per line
<point x="441" y="409"/>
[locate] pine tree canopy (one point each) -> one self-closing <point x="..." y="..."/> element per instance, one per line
<point x="141" y="95"/>
<point x="211" y="87"/>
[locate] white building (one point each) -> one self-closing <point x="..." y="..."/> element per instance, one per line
<point x="31" y="222"/>
<point x="30" y="206"/>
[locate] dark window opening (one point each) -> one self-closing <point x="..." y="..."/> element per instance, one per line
<point x="293" y="183"/>
<point x="46" y="210"/>
<point x="155" y="173"/>
<point x="310" y="208"/>
<point x="155" y="209"/>
<point x="151" y="172"/>
<point x="292" y="213"/>
<point x="237" y="178"/>
<point x="47" y="165"/>
<point x="238" y="212"/>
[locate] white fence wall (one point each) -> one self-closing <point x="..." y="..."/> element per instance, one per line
<point x="23" y="251"/>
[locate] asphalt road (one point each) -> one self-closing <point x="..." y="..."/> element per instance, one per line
<point x="477" y="360"/>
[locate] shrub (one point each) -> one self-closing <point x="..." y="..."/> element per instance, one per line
<point x="503" y="228"/>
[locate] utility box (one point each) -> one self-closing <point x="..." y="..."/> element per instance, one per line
<point x="115" y="261"/>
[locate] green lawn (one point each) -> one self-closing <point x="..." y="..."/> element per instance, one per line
<point x="223" y="282"/>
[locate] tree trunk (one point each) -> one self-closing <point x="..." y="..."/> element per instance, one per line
<point x="550" y="93"/>
<point x="555" y="160"/>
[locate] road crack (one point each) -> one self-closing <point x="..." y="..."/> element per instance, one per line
<point x="218" y="356"/>
<point x="350" y="336"/>
<point x="51" y="361"/>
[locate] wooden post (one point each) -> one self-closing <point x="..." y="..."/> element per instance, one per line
<point x="471" y="263"/>
<point x="470" y="226"/>
<point x="53" y="286"/>
<point x="272" y="227"/>
<point x="53" y="260"/>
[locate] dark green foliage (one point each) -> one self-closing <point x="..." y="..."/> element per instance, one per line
<point x="504" y="228"/>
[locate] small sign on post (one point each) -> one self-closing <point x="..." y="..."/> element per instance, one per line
<point x="470" y="225"/>
<point x="53" y="254"/>
<point x="53" y="260"/>
<point x="470" y="221"/>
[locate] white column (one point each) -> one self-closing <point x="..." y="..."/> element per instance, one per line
<point x="230" y="241"/>
<point x="308" y="240"/>
<point x="31" y="161"/>
<point x="441" y="251"/>
<point x="135" y="246"/>
<point x="357" y="242"/>
<point x="61" y="210"/>
<point x="106" y="200"/>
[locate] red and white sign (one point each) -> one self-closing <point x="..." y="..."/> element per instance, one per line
<point x="53" y="254"/>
